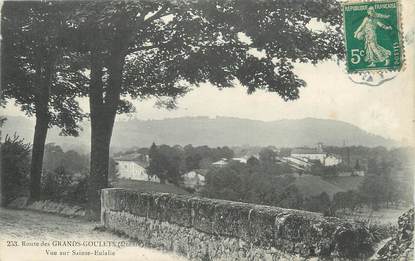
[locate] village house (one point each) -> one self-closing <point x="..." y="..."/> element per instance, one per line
<point x="133" y="166"/>
<point x="240" y="160"/>
<point x="220" y="163"/>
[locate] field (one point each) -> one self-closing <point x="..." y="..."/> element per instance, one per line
<point x="314" y="185"/>
<point x="384" y="216"/>
<point x="310" y="185"/>
<point x="346" y="183"/>
<point x="147" y="186"/>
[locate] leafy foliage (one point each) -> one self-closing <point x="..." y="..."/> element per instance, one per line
<point x="388" y="181"/>
<point x="165" y="163"/>
<point x="172" y="43"/>
<point x="60" y="185"/>
<point x="55" y="184"/>
<point x="347" y="200"/>
<point x="71" y="161"/>
<point x="319" y="203"/>
<point x="238" y="182"/>
<point x="203" y="156"/>
<point x="169" y="163"/>
<point x="65" y="173"/>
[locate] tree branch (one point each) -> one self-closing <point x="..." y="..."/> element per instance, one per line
<point x="157" y="14"/>
<point x="82" y="76"/>
<point x="149" y="47"/>
<point x="143" y="48"/>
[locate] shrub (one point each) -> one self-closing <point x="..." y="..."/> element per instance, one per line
<point x="61" y="185"/>
<point x="15" y="162"/>
<point x="377" y="230"/>
<point x="55" y="185"/>
<point x="78" y="191"/>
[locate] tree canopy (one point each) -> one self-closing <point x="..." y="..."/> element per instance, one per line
<point x="36" y="71"/>
<point x="167" y="44"/>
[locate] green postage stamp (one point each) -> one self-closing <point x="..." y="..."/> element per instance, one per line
<point x="372" y="35"/>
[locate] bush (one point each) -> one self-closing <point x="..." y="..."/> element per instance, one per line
<point x="79" y="191"/>
<point x="15" y="164"/>
<point x="55" y="184"/>
<point x="377" y="230"/>
<point x="59" y="185"/>
<point x="347" y="200"/>
<point x="247" y="183"/>
<point x="318" y="203"/>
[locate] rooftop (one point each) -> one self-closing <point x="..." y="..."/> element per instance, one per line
<point x="307" y="151"/>
<point x="135" y="157"/>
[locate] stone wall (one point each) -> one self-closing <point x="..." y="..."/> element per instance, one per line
<point x="208" y="229"/>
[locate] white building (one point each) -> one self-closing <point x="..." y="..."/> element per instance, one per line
<point x="194" y="179"/>
<point x="223" y="162"/>
<point x="220" y="163"/>
<point x="240" y="160"/>
<point x="133" y="167"/>
<point x="331" y="160"/>
<point x="360" y="173"/>
<point x="303" y="162"/>
<point x="317" y="154"/>
<point x="310" y="154"/>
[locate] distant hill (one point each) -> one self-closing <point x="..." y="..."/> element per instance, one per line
<point x="214" y="132"/>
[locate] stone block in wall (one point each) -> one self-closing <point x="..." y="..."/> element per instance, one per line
<point x="112" y="199"/>
<point x="154" y="203"/>
<point x="292" y="226"/>
<point x="202" y="212"/>
<point x="176" y="209"/>
<point x="261" y="225"/>
<point x="232" y="219"/>
<point x="306" y="230"/>
<point x="137" y="204"/>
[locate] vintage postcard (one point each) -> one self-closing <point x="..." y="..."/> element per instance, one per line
<point x="207" y="130"/>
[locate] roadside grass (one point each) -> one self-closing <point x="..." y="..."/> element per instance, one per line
<point x="310" y="185"/>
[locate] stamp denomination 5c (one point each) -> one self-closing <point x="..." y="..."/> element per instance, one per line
<point x="372" y="35"/>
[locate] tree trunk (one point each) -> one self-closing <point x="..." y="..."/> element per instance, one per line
<point x="39" y="139"/>
<point x="43" y="84"/>
<point x="103" y="111"/>
<point x="101" y="130"/>
<point x="103" y="101"/>
<point x="2" y="195"/>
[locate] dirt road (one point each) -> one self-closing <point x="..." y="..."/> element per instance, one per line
<point x="28" y="235"/>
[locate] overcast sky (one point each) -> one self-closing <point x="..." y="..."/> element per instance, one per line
<point x="386" y="110"/>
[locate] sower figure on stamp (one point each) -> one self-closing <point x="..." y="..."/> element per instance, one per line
<point x="367" y="32"/>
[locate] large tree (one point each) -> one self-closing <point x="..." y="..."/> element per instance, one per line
<point x="36" y="74"/>
<point x="159" y="48"/>
<point x="165" y="163"/>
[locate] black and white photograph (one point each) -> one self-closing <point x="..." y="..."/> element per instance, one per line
<point x="208" y="130"/>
